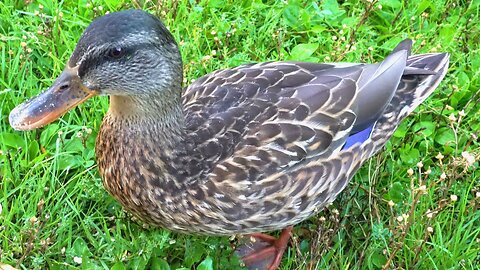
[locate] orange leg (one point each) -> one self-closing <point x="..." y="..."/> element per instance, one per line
<point x="272" y="251"/>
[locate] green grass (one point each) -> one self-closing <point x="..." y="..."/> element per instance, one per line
<point x="56" y="212"/>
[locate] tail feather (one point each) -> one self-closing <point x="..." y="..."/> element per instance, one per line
<point x="406" y="45"/>
<point x="404" y="102"/>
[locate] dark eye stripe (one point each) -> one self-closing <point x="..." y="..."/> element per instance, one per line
<point x="97" y="58"/>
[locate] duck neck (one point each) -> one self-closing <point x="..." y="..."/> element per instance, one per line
<point x="160" y="116"/>
<point x="140" y="149"/>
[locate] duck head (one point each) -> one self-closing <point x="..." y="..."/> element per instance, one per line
<point x="128" y="54"/>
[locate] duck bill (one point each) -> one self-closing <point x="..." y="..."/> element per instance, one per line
<point x="66" y="92"/>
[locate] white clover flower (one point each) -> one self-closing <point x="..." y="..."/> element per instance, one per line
<point x="77" y="260"/>
<point x="469" y="158"/>
<point x="452" y="118"/>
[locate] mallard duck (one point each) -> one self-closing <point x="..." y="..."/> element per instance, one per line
<point x="244" y="150"/>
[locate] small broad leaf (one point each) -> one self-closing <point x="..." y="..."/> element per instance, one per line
<point x="48" y="135"/>
<point x="305" y="246"/>
<point x="193" y="253"/>
<point x="216" y="3"/>
<point x="33" y="150"/>
<point x="396" y="4"/>
<point x="89" y="163"/>
<point x="118" y="266"/>
<point x="445" y="136"/>
<point x="13" y="140"/>
<point x="318" y="29"/>
<point x="447" y="33"/>
<point x="409" y="154"/>
<point x="291" y="15"/>
<point x="137" y="262"/>
<point x="68" y="161"/>
<point x="331" y="11"/>
<point x="74" y="145"/>
<point x="302" y="52"/>
<point x="88" y="264"/>
<point x="378" y="259"/>
<point x="206" y="264"/>
<point x="53" y="265"/>
<point x="397" y="192"/>
<point x="80" y="248"/>
<point x="401" y="131"/>
<point x="159" y="264"/>
<point x="424" y="5"/>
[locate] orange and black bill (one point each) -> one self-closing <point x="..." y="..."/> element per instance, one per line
<point x="66" y="92"/>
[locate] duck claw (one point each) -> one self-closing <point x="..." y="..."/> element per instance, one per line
<point x="261" y="251"/>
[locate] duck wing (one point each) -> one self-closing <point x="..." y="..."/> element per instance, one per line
<point x="270" y="117"/>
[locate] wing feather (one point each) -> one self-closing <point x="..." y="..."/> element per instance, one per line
<point x="270" y="117"/>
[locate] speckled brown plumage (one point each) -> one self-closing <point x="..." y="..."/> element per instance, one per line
<point x="254" y="148"/>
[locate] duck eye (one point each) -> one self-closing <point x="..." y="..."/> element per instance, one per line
<point x="116" y="52"/>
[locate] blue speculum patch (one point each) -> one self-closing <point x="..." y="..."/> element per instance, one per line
<point x="358" y="137"/>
